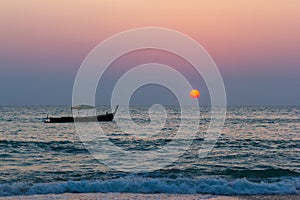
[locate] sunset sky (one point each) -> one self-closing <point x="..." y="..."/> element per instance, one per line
<point x="255" y="44"/>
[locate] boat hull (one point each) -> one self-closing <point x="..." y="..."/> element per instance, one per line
<point x="99" y="118"/>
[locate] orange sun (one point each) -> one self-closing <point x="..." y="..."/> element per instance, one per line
<point x="194" y="93"/>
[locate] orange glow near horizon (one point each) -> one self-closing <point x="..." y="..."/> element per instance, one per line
<point x="194" y="94"/>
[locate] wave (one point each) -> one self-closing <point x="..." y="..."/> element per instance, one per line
<point x="253" y="174"/>
<point x="57" y="146"/>
<point x="137" y="184"/>
<point x="262" y="120"/>
<point x="263" y="173"/>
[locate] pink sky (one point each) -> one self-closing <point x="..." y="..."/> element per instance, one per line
<point x="243" y="37"/>
<point x="232" y="31"/>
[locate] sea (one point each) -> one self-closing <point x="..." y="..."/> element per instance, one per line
<point x="257" y="153"/>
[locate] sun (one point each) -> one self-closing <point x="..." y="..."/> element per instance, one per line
<point x="195" y="94"/>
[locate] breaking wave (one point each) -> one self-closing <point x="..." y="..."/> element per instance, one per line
<point x="136" y="184"/>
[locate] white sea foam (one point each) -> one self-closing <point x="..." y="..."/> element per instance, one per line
<point x="155" y="185"/>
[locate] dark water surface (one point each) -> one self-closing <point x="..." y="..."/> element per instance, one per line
<point x="258" y="152"/>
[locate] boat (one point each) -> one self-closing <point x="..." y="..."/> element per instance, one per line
<point x="100" y="118"/>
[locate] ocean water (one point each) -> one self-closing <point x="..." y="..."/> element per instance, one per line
<point x="258" y="152"/>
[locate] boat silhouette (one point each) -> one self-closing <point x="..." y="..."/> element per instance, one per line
<point x="98" y="118"/>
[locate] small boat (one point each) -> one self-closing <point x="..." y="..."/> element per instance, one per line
<point x="100" y="118"/>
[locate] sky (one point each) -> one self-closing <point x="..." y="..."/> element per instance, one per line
<point x="254" y="43"/>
